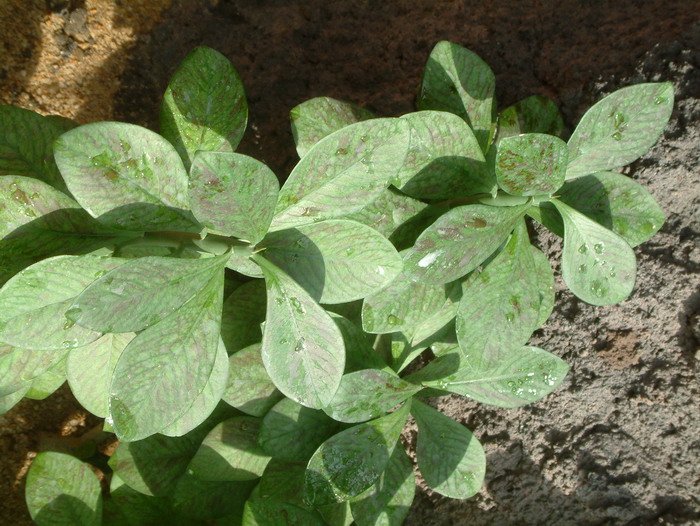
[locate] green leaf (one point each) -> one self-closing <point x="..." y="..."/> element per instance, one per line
<point x="127" y="177"/>
<point x="531" y="164"/>
<point x="342" y="172"/>
<point x="9" y="400"/>
<point x="61" y="490"/>
<point x="546" y="214"/>
<point x="620" y="128"/>
<point x="48" y="382"/>
<point x="359" y="353"/>
<point x="165" y="368"/>
<point x="336" y="261"/>
<point x="233" y="194"/>
<point x="18" y="367"/>
<point x="302" y="348"/>
<point x="142" y="291"/>
<point x="458" y="81"/>
<point x="205" y="404"/>
<point x="293" y="432"/>
<point x="545" y="284"/>
<point x="367" y="394"/>
<point x="518" y="377"/>
<point x="389" y="500"/>
<point x="241" y="263"/>
<point x="243" y="312"/>
<point x="249" y="388"/>
<point x="230" y="452"/>
<point x="33" y="303"/>
<point x="450" y="458"/>
<point x="444" y="158"/>
<point x="282" y="481"/>
<point x="317" y="118"/>
<point x="597" y="265"/>
<point x="436" y="323"/>
<point x="26" y="145"/>
<point x="208" y="500"/>
<point x="459" y="241"/>
<point x="268" y="512"/>
<point x="388" y="212"/>
<point x="90" y="369"/>
<point x="500" y="305"/>
<point x="535" y="114"/>
<point x="204" y="107"/>
<point x="349" y="463"/>
<point x="617" y="202"/>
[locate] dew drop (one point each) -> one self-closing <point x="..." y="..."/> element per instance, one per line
<point x="599" y="248"/>
<point x="349" y="251"/>
<point x="279" y="301"/>
<point x="583" y="249"/>
<point x="100" y="273"/>
<point x="13" y="187"/>
<point x="617" y="136"/>
<point x="283" y="341"/>
<point x="393" y="320"/>
<point x="68" y="325"/>
<point x="301" y="345"/>
<point x="341" y="151"/>
<point x="582" y="268"/>
<point x="619" y="118"/>
<point x="659" y="100"/>
<point x="597" y="288"/>
<point x="298" y="306"/>
<point x="612" y="272"/>
<point x="510" y="317"/>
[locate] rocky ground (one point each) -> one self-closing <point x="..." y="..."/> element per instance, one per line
<point x="619" y="443"/>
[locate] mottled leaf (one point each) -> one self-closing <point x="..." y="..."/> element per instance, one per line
<point x="62" y="491"/>
<point x="127" y="177"/>
<point x="458" y="81"/>
<point x="48" y="382"/>
<point x="535" y="114"/>
<point x="450" y="458"/>
<point x="597" y="265"/>
<point x="388" y="212"/>
<point x="249" y="388"/>
<point x="336" y="261"/>
<point x="459" y="241"/>
<point x="302" y="347"/>
<point x="545" y="285"/>
<point x="204" y="107"/>
<point x="233" y="194"/>
<point x="620" y="128"/>
<point x="243" y="312"/>
<point x="317" y="118"/>
<point x="617" y="202"/>
<point x="18" y="367"/>
<point x="343" y="172"/>
<point x="531" y="164"/>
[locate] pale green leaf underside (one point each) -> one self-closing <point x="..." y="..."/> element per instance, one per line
<point x="617" y="202"/>
<point x="450" y="458"/>
<point x="18" y="367"/>
<point x="233" y="194"/>
<point x="343" y="172"/>
<point x="302" y="348"/>
<point x="63" y="491"/>
<point x="248" y="387"/>
<point x="127" y="177"/>
<point x="458" y="81"/>
<point x="336" y="261"/>
<point x="314" y="119"/>
<point x="204" y="107"/>
<point x="619" y="128"/>
<point x="531" y="164"/>
<point x="48" y="382"/>
<point x="534" y="114"/>
<point x="523" y="375"/>
<point x="459" y="241"/>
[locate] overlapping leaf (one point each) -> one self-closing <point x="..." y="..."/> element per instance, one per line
<point x="243" y="312"/>
<point x="459" y="241"/>
<point x="534" y="114"/>
<point x="48" y="382"/>
<point x="597" y="265"/>
<point x="342" y="172"/>
<point x="302" y="348"/>
<point x="545" y="282"/>
<point x="620" y="128"/>
<point x="209" y="500"/>
<point x="458" y="81"/>
<point x="204" y="107"/>
<point x="233" y="194"/>
<point x="268" y="512"/>
<point x="127" y="177"/>
<point x="249" y="388"/>
<point x="336" y="261"/>
<point x="19" y="367"/>
<point x="317" y="118"/>
<point x="388" y="212"/>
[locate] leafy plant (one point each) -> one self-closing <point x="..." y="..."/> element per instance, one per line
<point x="275" y="392"/>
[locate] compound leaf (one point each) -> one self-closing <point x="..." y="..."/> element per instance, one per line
<point x="368" y="393"/>
<point x="444" y="159"/>
<point x="125" y="176"/>
<point x="342" y="172"/>
<point x="336" y="261"/>
<point x="458" y="81"/>
<point x="317" y="118"/>
<point x="459" y="241"/>
<point x="204" y="107"/>
<point x="292" y="432"/>
<point x="233" y="194"/>
<point x="535" y="114"/>
<point x="619" y="128"/>
<point x="617" y="202"/>
<point x="249" y="388"/>
<point x="450" y="458"/>
<point x="597" y="265"/>
<point x="531" y="164"/>
<point x="63" y="491"/>
<point x="142" y="291"/>
<point x="349" y="463"/>
<point x="302" y="348"/>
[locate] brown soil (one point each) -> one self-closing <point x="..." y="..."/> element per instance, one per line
<point x="619" y="442"/>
